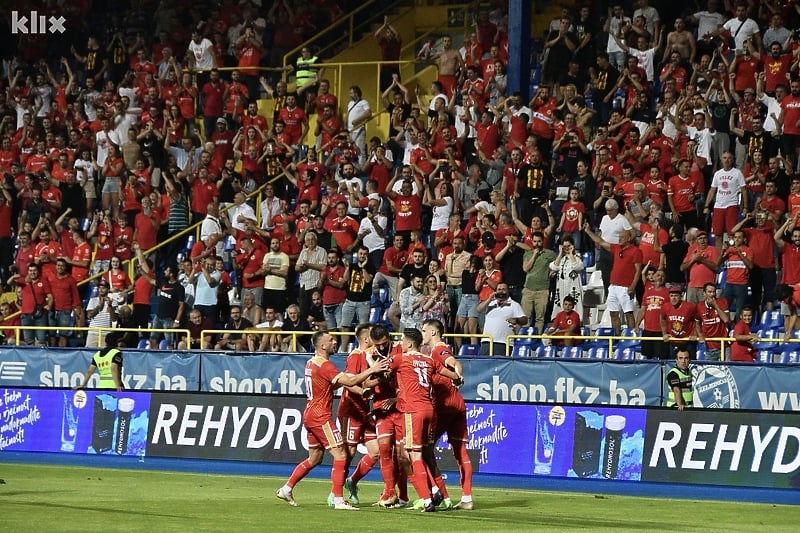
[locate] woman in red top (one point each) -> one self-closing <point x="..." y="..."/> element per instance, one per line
<point x="488" y="279"/>
<point x="572" y="217"/>
<point x="112" y="171"/>
<point x="118" y="282"/>
<point x="742" y="349"/>
<point x="123" y="239"/>
<point x="103" y="229"/>
<point x="131" y="199"/>
<point x="755" y="177"/>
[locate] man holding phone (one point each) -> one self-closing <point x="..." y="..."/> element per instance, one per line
<point x="504" y="316"/>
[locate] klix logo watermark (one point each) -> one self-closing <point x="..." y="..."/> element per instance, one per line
<point x="35" y="24"/>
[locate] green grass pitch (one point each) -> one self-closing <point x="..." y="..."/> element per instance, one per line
<point x="39" y="498"/>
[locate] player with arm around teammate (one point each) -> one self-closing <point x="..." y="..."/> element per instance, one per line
<point x="354" y="416"/>
<point x="321" y="378"/>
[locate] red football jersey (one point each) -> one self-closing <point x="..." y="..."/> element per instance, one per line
<point x="354" y="405"/>
<point x="321" y="376"/>
<point x="446" y="396"/>
<point x="414" y="372"/>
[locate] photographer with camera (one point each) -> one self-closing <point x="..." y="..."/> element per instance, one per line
<point x="504" y="316"/>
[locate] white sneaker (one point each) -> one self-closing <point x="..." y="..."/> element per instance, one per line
<point x="344" y="506"/>
<point x="464" y="506"/>
<point x="286" y="495"/>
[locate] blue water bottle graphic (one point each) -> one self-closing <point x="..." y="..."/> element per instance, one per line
<point x="547" y="422"/>
<point x="69" y="422"/>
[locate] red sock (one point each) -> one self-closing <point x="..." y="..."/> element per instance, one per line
<point x="419" y="478"/>
<point x="440" y="483"/>
<point x="300" y="471"/>
<point x="387" y="468"/>
<point x="464" y="466"/>
<point x="362" y="468"/>
<point x="337" y="477"/>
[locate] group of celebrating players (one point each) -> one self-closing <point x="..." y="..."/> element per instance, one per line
<point x="413" y="387"/>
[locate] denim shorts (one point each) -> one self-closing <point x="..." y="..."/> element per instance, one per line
<point x="333" y="315"/>
<point x="468" y="307"/>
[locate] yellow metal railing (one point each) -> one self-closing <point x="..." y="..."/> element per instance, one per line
<point x="18" y="330"/>
<point x="610" y="339"/>
<point x="348" y="21"/>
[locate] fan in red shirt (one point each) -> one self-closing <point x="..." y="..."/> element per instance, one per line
<point x="649" y="318"/>
<point x="678" y="325"/>
<point x="65" y="301"/>
<point x="761" y="240"/>
<point x="565" y="324"/>
<point x="682" y="191"/>
<point x="451" y="411"/>
<point x="738" y="260"/>
<point x="321" y="378"/>
<point x="407" y="205"/>
<point x="343" y="228"/>
<point x="295" y="120"/>
<point x="743" y="350"/>
<point x="414" y="372"/>
<point x="81" y="257"/>
<point x="46" y="252"/>
<point x="713" y="318"/>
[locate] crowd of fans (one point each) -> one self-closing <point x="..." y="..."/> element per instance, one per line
<point x="660" y="152"/>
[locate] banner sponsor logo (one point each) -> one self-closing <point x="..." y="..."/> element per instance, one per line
<point x="715" y="387"/>
<point x="12" y="370"/>
<point x="244" y="428"/>
<point x="722" y="447"/>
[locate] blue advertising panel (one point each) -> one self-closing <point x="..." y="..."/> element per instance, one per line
<point x="553" y="381"/>
<point x="555" y="440"/>
<point x="141" y="370"/>
<point x="93" y="422"/>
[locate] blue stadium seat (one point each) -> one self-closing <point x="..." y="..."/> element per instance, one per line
<point x="143" y="344"/>
<point x="625" y="354"/>
<point x="790" y="354"/>
<point x="163" y="344"/>
<point x="722" y="277"/>
<point x="375" y="315"/>
<point x="701" y="352"/>
<point x="469" y="350"/>
<point x="765" y="355"/>
<point x="521" y="350"/>
<point x="383" y="296"/>
<point x="548" y="352"/>
<point x="771" y="319"/>
<point x="605" y="332"/>
<point x="598" y="352"/>
<point x="573" y="352"/>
